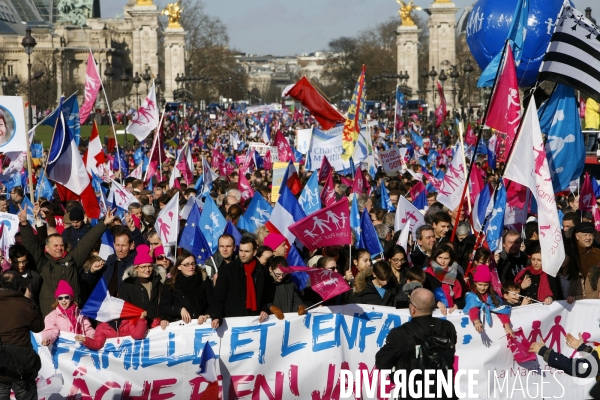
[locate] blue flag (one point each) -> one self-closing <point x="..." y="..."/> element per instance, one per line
<point x="26" y="204"/>
<point x="36" y="150"/>
<point x="212" y="223"/>
<point x="418" y="140"/>
<point x="120" y="162"/>
<point x="44" y="187"/>
<point x="565" y="150"/>
<point x="496" y="220"/>
<point x="386" y="202"/>
<point x="293" y="259"/>
<point x="368" y="236"/>
<point x="138" y="156"/>
<point x="192" y="238"/>
<point x="15" y="180"/>
<point x="257" y="214"/>
<point x="230" y="229"/>
<point x="70" y="110"/>
<point x="309" y="200"/>
<point x="595" y="187"/>
<point x="516" y="36"/>
<point x="355" y="219"/>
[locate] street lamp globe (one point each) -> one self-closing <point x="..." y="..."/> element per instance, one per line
<point x="28" y="42"/>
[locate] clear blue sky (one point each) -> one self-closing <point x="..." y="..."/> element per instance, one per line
<point x="287" y="27"/>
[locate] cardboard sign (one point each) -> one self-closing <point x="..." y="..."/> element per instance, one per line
<point x="391" y="160"/>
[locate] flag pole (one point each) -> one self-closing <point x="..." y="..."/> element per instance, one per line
<point x="461" y="132"/>
<point x="395" y="115"/>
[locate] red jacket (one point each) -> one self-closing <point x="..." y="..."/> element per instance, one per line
<point x="106" y="331"/>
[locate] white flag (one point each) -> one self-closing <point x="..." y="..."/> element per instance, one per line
<point x="146" y="118"/>
<point x="167" y="223"/>
<point x="529" y="167"/>
<point x="452" y="186"/>
<point x="407" y="213"/>
<point x="137" y="172"/>
<point x="119" y="196"/>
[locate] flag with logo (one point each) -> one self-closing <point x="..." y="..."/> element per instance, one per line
<point x="309" y="199"/>
<point x="192" y="238"/>
<point x="284" y="150"/>
<point x="407" y="213"/>
<point x="326" y="283"/>
<point x="146" y="117"/>
<point x="167" y="222"/>
<point x="212" y="224"/>
<point x="325" y="170"/>
<point x="587" y="197"/>
<point x="93" y="83"/>
<point x="356" y="115"/>
<point x="245" y="188"/>
<point x="451" y="189"/>
<point x="44" y="187"/>
<point x="440" y="111"/>
<point x="326" y="227"/>
<point x="257" y="214"/>
<point x="328" y="193"/>
<point x="495" y="226"/>
<point x="386" y="202"/>
<point x="528" y="166"/>
<point x="286" y="212"/>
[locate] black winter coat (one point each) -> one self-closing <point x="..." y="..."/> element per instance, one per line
<point x="283" y="295"/>
<point x="72" y="236"/>
<point x="229" y="298"/>
<point x="196" y="301"/>
<point x="135" y="293"/>
<point x="370" y="295"/>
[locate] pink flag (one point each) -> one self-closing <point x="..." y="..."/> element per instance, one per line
<point x="93" y="83"/>
<point x="245" y="188"/>
<point x="440" y="111"/>
<point x="346" y="181"/>
<point x="267" y="161"/>
<point x="587" y="198"/>
<point x="285" y="152"/>
<point x="218" y="159"/>
<point x="326" y="283"/>
<point x="146" y="118"/>
<point x="470" y="138"/>
<point x="416" y="190"/>
<point x="325" y="169"/>
<point x="437" y="183"/>
<point x="516" y="194"/>
<point x="528" y="166"/>
<point x="328" y="193"/>
<point x="329" y="226"/>
<point x="361" y="184"/>
<point x="519" y="345"/>
<point x="505" y="106"/>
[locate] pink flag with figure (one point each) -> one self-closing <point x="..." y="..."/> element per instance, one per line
<point x="475" y="183"/>
<point x="529" y="167"/>
<point x="284" y="150"/>
<point x="519" y="346"/>
<point x="451" y="189"/>
<point x="93" y="83"/>
<point x="505" y="106"/>
<point x="167" y="223"/>
<point x="328" y="193"/>
<point x="324" y="282"/>
<point x="245" y="188"/>
<point x="587" y="197"/>
<point x="440" y="111"/>
<point x="327" y="227"/>
<point x="146" y="118"/>
<point x="268" y="161"/>
<point x="470" y="138"/>
<point x="325" y="169"/>
<point x="361" y="184"/>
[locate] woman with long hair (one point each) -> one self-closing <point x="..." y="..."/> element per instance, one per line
<point x="396" y="256"/>
<point x="186" y="293"/>
<point x="373" y="286"/>
<point x="535" y="283"/>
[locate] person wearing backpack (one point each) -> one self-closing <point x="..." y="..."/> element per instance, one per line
<point x="19" y="363"/>
<point x="424" y="342"/>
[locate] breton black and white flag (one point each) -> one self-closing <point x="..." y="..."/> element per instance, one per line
<point x="573" y="56"/>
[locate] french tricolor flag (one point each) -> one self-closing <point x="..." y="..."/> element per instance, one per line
<point x="208" y="371"/>
<point x="102" y="307"/>
<point x="286" y="212"/>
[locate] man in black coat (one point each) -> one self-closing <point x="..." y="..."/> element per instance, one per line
<point x="19" y="316"/>
<point x="512" y="259"/>
<point x="73" y="234"/>
<point x="235" y="285"/>
<point x="399" y="349"/>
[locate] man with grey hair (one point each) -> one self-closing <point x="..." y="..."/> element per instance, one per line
<point x="401" y="352"/>
<point x="235" y="193"/>
<point x="384" y="234"/>
<point x="389" y="219"/>
<point x="424" y="246"/>
<point x="364" y="201"/>
<point x="466" y="243"/>
<point x="148" y="210"/>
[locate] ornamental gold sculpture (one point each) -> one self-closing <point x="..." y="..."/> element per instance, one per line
<point x="173" y="11"/>
<point x="405" y="10"/>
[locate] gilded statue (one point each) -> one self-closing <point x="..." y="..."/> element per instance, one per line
<point x="173" y="11"/>
<point x="405" y="10"/>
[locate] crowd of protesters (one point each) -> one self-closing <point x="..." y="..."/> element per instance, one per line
<point x="57" y="255"/>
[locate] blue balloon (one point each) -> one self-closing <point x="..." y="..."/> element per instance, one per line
<point x="488" y="27"/>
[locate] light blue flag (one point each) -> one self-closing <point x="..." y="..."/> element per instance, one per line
<point x="233" y="231"/>
<point x="355" y="219"/>
<point x="565" y="150"/>
<point x="212" y="223"/>
<point x="386" y="202"/>
<point x="14" y="181"/>
<point x="37" y="150"/>
<point x="26" y="204"/>
<point x="70" y="110"/>
<point x="257" y="214"/>
<point x="44" y="187"/>
<point x="516" y="36"/>
<point x="309" y="200"/>
<point x="368" y="236"/>
<point x="495" y="224"/>
<point x="193" y="239"/>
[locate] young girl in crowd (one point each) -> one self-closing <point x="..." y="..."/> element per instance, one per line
<point x="483" y="300"/>
<point x="65" y="316"/>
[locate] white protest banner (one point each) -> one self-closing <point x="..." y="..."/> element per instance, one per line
<point x="303" y="140"/>
<point x="263" y="108"/>
<point x="392" y="161"/>
<point x="327" y="143"/>
<point x="13" y="133"/>
<point x="11" y="222"/>
<point x="301" y="357"/>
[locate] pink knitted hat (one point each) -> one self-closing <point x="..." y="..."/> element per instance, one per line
<point x="64" y="288"/>
<point x="482" y="274"/>
<point x="143" y="255"/>
<point x="274" y="240"/>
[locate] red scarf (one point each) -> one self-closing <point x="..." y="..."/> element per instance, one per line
<point x="544" y="288"/>
<point x="250" y="291"/>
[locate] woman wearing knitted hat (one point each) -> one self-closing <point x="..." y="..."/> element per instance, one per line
<point x="65" y="316"/>
<point x="483" y="300"/>
<point x="142" y="283"/>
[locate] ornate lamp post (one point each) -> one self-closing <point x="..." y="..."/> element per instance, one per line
<point x="124" y="80"/>
<point x="454" y="75"/>
<point x="147" y="77"/>
<point x="136" y="82"/>
<point x="468" y="69"/>
<point x="432" y="75"/>
<point x="157" y="82"/>
<point x="28" y="44"/>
